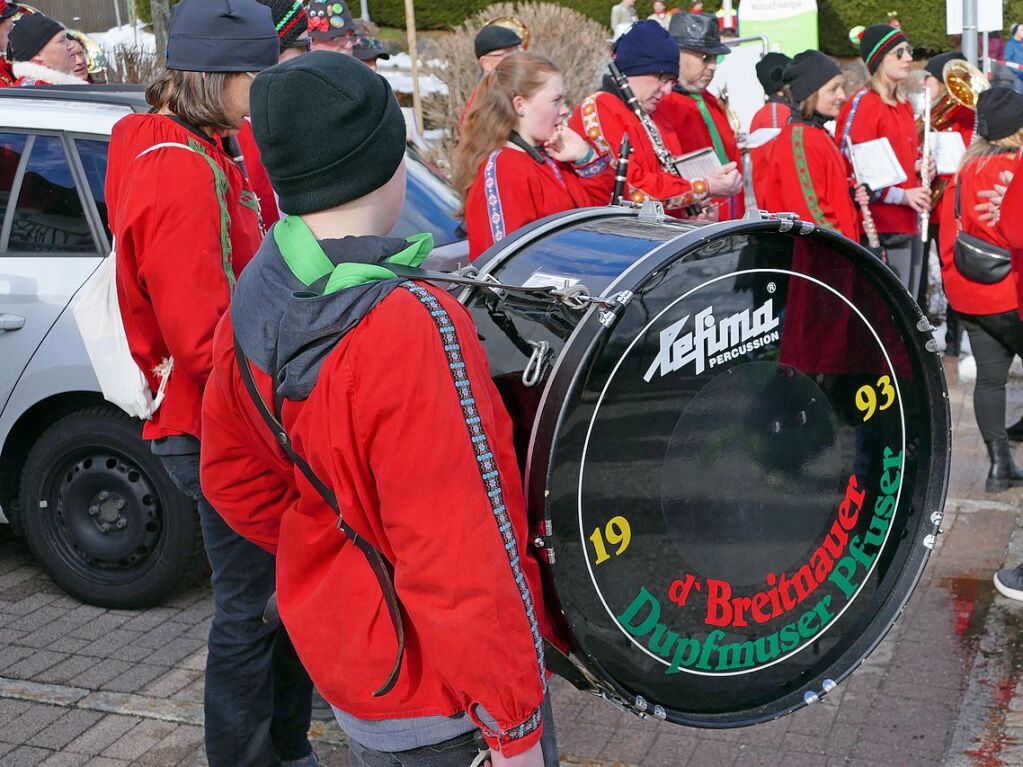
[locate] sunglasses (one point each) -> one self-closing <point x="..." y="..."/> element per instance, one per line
<point x="706" y="58"/>
<point x="906" y="50"/>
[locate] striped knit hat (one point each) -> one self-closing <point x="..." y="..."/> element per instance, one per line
<point x="876" y="42"/>
<point x="289" y="18"/>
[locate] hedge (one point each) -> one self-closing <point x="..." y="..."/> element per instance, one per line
<point x="923" y="20"/>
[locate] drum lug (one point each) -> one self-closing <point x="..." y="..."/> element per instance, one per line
<point x="652" y="212"/>
<point x="543" y="541"/>
<point x="535" y="366"/>
<point x="612" y="305"/>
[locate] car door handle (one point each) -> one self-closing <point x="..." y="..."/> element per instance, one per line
<point x="11" y="322"/>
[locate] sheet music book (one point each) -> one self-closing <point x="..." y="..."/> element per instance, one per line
<point x="761" y="136"/>
<point x="877" y="165"/>
<point x="948" y="149"/>
<point x="703" y="163"/>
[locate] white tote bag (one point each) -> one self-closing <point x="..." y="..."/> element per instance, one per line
<point x="98" y="317"/>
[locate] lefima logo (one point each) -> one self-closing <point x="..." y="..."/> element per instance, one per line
<point x="712" y="343"/>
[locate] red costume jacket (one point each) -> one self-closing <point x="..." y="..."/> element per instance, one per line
<point x="1010" y="222"/>
<point x="967" y="296"/>
<point x="512" y="189"/>
<point x="875" y="119"/>
<point x="602" y="119"/>
<point x="808" y="175"/>
<point x="774" y="114"/>
<point x="166" y="217"/>
<point x="258" y="179"/>
<point x="387" y="432"/>
<point x="682" y="114"/>
<point x="7" y="78"/>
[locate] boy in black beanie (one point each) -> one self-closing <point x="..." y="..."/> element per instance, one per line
<point x="380" y="393"/>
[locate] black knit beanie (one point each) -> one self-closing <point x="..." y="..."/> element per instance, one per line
<point x="30" y="35"/>
<point x="221" y="36"/>
<point x="999" y="113"/>
<point x="769" y="71"/>
<point x="350" y="138"/>
<point x="876" y="41"/>
<point x="936" y="64"/>
<point x="808" y="73"/>
<point x="289" y="17"/>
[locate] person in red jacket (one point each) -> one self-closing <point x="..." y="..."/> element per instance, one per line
<point x="773" y="114"/>
<point x="400" y="470"/>
<point x="517" y="161"/>
<point x="648" y="58"/>
<point x="989" y="312"/>
<point x="185" y="226"/>
<point x="808" y="175"/>
<point x="7" y="13"/>
<point x="881" y="110"/>
<point x="696" y="116"/>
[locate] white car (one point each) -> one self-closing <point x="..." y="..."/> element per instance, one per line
<point x="76" y="479"/>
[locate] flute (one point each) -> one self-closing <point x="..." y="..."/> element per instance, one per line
<point x="868" y="218"/>
<point x="622" y="172"/>
<point x="925" y="169"/>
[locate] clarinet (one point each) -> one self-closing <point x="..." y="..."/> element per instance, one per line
<point x="664" y="157"/>
<point x="868" y="218"/>
<point x="622" y="172"/>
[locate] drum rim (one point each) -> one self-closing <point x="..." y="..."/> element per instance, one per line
<point x="933" y="496"/>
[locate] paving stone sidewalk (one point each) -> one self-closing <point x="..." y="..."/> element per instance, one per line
<point x="81" y="685"/>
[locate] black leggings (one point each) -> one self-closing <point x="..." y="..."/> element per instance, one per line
<point x="996" y="339"/>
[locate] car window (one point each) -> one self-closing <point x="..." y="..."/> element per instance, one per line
<point x="430" y="205"/>
<point x="48" y="215"/>
<point x="93" y="155"/>
<point x="12" y="147"/>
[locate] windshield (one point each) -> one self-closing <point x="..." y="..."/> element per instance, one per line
<point x="430" y="204"/>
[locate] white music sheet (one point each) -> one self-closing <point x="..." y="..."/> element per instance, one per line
<point x="703" y="163"/>
<point x="761" y="136"/>
<point x="876" y="164"/>
<point x="948" y="151"/>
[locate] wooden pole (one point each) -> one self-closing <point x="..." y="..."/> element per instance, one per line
<point x="413" y="52"/>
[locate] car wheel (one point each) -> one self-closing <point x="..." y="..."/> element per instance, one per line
<point x="102" y="516"/>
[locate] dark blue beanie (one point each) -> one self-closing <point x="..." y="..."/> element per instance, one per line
<point x="646" y="49"/>
<point x="221" y="36"/>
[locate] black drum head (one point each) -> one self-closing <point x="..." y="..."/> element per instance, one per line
<point x="743" y="473"/>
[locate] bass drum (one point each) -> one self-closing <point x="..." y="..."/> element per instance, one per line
<point x="736" y="459"/>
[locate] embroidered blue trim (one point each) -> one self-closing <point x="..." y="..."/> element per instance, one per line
<point x="595" y="168"/>
<point x="554" y="167"/>
<point x="491" y="483"/>
<point x="495" y="214"/>
<point x="844" y="145"/>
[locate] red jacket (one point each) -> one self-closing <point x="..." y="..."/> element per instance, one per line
<point x="1010" y="223"/>
<point x="258" y="179"/>
<point x="806" y="174"/>
<point x="967" y="296"/>
<point x="876" y="119"/>
<point x="387" y="432"/>
<point x="7" y="78"/>
<point x="172" y="283"/>
<point x="602" y="119"/>
<point x="681" y="113"/>
<point x="512" y="189"/>
<point x="774" y="114"/>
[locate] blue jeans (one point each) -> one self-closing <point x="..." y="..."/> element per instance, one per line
<point x="457" y="752"/>
<point x="258" y="696"/>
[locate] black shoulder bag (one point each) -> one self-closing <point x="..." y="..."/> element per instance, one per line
<point x="976" y="259"/>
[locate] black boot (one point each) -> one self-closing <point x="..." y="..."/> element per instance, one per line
<point x="1004" y="473"/>
<point x="1015" y="432"/>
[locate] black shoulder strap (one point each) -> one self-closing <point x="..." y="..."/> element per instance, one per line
<point x="958" y="187"/>
<point x="379" y="565"/>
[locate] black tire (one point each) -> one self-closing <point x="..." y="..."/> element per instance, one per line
<point x="101" y="515"/>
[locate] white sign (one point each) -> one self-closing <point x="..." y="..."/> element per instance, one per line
<point x="989" y="16"/>
<point x="769" y="10"/>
